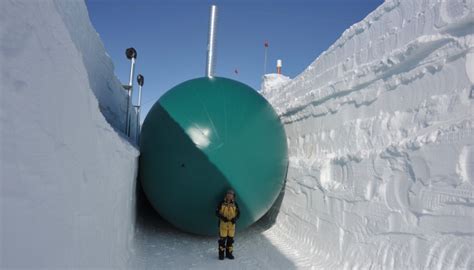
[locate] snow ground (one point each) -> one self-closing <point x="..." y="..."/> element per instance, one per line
<point x="159" y="244"/>
<point x="380" y="132"/>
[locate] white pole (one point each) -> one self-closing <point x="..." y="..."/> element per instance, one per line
<point x="279" y="65"/>
<point x="139" y="96"/>
<point x="141" y="81"/>
<point x="130" y="92"/>
<point x="138" y="111"/>
<point x="137" y="125"/>
<point x="211" y="43"/>
<point x="265" y="62"/>
<point x="131" y="54"/>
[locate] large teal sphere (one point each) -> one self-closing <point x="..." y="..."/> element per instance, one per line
<point x="203" y="137"/>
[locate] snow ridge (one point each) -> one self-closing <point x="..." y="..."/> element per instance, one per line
<point x="380" y="134"/>
<point x="107" y="88"/>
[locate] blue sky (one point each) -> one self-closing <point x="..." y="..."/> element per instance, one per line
<point x="171" y="37"/>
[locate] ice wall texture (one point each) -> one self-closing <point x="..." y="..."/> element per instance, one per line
<point x="67" y="178"/>
<point x="380" y="134"/>
<point x="105" y="85"/>
<point x="273" y="81"/>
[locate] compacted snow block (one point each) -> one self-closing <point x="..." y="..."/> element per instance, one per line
<point x="203" y="137"/>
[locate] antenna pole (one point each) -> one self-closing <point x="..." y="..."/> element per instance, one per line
<point x="265" y="57"/>
<point x="141" y="81"/>
<point x="131" y="54"/>
<point x="211" y="43"/>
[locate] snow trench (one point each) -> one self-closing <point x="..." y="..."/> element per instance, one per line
<point x="380" y="135"/>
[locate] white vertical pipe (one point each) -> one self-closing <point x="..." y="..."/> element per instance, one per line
<point x="132" y="70"/>
<point x="137" y="125"/>
<point x="279" y="65"/>
<point x="139" y="96"/>
<point x="141" y="81"/>
<point x="211" y="43"/>
<point x="138" y="111"/>
<point x="265" y="61"/>
<point x="130" y="84"/>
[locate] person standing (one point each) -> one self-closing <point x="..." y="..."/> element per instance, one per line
<point x="228" y="213"/>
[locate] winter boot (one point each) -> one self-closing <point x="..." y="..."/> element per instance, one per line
<point x="229" y="248"/>
<point x="221" y="248"/>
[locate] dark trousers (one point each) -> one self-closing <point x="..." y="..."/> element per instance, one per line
<point x="226" y="244"/>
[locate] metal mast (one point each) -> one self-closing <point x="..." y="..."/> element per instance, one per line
<point x="211" y="43"/>
<point x="131" y="54"/>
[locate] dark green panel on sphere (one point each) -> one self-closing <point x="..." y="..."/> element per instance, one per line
<point x="203" y="137"/>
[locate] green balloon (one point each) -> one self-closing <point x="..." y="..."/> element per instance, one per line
<point x="206" y="136"/>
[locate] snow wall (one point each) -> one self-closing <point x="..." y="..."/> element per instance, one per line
<point x="379" y="129"/>
<point x="67" y="175"/>
<point x="380" y="135"/>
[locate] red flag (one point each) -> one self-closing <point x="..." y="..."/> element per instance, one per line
<point x="266" y="44"/>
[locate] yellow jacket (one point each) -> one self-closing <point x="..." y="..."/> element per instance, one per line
<point x="228" y="211"/>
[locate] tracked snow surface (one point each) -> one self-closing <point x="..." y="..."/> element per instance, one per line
<point x="380" y="134"/>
